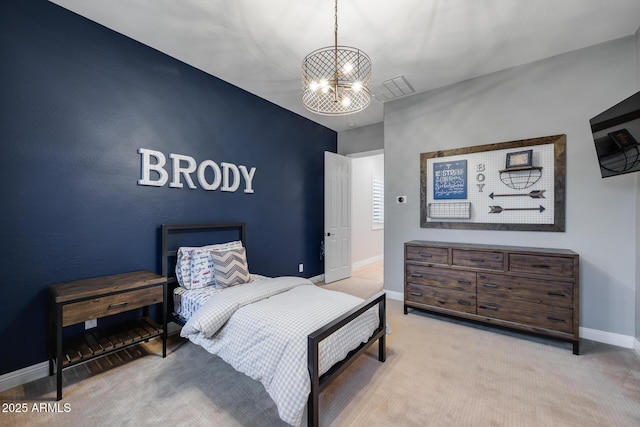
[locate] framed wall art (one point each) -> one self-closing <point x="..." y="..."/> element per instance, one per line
<point x="516" y="185"/>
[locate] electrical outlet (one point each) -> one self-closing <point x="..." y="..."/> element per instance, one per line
<point x="300" y="268"/>
<point x="88" y="324"/>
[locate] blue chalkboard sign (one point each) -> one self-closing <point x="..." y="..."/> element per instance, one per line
<point x="450" y="180"/>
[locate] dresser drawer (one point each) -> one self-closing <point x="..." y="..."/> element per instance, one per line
<point x="441" y="277"/>
<point x="478" y="259"/>
<point x="535" y="315"/>
<point x="540" y="264"/>
<point x="443" y="298"/>
<point x="546" y="292"/>
<point x="428" y="254"/>
<point x="110" y="304"/>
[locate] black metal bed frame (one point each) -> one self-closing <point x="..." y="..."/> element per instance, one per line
<point x="170" y="253"/>
<point x="318" y="382"/>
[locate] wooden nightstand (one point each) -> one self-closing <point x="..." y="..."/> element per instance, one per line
<point x="78" y="301"/>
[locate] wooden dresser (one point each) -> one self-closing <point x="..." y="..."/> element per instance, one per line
<point x="99" y="297"/>
<point x="530" y="289"/>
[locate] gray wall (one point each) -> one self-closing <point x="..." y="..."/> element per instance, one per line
<point x="358" y="140"/>
<point x="553" y="96"/>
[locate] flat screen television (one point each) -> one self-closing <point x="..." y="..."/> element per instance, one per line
<point x="616" y="134"/>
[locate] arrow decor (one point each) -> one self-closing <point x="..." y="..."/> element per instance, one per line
<point x="498" y="209"/>
<point x="535" y="194"/>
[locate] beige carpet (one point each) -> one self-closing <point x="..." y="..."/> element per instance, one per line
<point x="438" y="373"/>
<point x="359" y="286"/>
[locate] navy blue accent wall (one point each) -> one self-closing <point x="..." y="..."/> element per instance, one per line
<point x="77" y="101"/>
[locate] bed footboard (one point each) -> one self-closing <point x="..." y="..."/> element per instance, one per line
<point x="318" y="383"/>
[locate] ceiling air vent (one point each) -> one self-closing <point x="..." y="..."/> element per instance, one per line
<point x="391" y="89"/>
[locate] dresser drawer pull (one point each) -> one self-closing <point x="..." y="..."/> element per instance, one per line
<point x="555" y="319"/>
<point x="426" y="255"/>
<point x="464" y="282"/>
<point x="489" y="285"/>
<point x="416" y="294"/>
<point x="489" y="307"/>
<point x="476" y="260"/>
<point x="416" y="275"/>
<point x="463" y="302"/>
<point x="120" y="304"/>
<point x="556" y="294"/>
<point x="540" y="266"/>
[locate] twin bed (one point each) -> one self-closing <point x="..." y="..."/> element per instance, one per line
<point x="289" y="334"/>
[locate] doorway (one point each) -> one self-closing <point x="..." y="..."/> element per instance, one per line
<point x="367" y="214"/>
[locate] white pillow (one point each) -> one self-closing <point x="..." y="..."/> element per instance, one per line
<point x="200" y="257"/>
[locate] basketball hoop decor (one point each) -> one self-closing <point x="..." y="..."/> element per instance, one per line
<point x="519" y="172"/>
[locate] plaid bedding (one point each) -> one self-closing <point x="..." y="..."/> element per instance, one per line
<point x="261" y="330"/>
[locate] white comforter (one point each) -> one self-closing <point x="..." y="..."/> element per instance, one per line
<point x="261" y="330"/>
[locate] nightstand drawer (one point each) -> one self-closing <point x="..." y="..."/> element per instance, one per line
<point x="110" y="304"/>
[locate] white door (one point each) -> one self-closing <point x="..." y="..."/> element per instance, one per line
<point x="337" y="217"/>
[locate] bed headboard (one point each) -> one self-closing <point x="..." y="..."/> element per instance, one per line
<point x="176" y="235"/>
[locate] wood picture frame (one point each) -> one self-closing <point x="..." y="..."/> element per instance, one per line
<point x="555" y="195"/>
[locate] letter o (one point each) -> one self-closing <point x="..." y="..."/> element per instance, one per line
<point x="216" y="173"/>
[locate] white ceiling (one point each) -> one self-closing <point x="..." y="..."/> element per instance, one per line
<point x="259" y="45"/>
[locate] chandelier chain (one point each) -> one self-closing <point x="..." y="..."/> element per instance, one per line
<point x="336" y="27"/>
<point x="335" y="55"/>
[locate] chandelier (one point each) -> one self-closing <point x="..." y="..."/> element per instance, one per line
<point x="336" y="79"/>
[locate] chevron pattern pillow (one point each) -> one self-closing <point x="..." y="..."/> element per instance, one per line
<point x="186" y="257"/>
<point x="231" y="267"/>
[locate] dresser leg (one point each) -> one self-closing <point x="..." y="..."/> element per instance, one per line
<point x="576" y="347"/>
<point x="406" y="309"/>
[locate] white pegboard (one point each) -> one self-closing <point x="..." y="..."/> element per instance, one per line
<point x="482" y="179"/>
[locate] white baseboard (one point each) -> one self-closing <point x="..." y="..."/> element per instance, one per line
<point x="397" y="296"/>
<point x="607" y="337"/>
<point x="365" y="262"/>
<point x="316" y="279"/>
<point x="24" y="375"/>
<point x="637" y="346"/>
